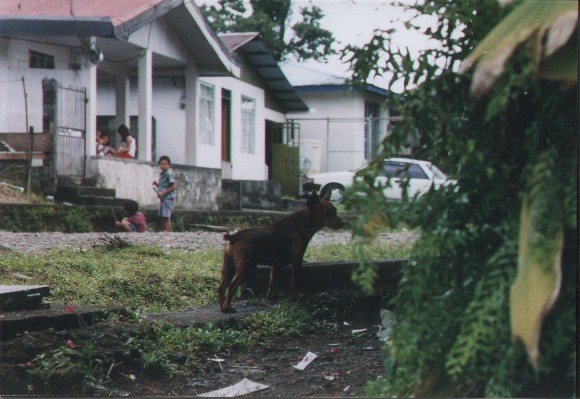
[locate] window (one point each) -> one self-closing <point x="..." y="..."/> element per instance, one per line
<point x="248" y="125"/>
<point x="206" y="114"/>
<point x="40" y="60"/>
<point x="415" y="172"/>
<point x="404" y="170"/>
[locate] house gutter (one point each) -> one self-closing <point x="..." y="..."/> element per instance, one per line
<point x="11" y="25"/>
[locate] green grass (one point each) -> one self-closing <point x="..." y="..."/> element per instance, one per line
<point x="341" y="252"/>
<point x="142" y="277"/>
<point x="145" y="277"/>
<point x="150" y="279"/>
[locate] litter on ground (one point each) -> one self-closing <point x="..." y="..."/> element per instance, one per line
<point x="243" y="387"/>
<point x="305" y="361"/>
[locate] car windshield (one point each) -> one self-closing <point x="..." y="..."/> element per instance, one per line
<point x="438" y="174"/>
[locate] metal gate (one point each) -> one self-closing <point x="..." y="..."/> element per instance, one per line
<point x="66" y="107"/>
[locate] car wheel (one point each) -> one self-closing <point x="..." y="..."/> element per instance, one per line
<point x="336" y="192"/>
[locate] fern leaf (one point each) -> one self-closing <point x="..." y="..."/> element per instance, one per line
<point x="485" y="319"/>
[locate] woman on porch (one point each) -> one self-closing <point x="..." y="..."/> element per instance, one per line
<point x="127" y="148"/>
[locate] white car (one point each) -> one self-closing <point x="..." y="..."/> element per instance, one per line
<point x="418" y="175"/>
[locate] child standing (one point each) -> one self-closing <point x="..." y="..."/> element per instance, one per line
<point x="134" y="221"/>
<point x="165" y="189"/>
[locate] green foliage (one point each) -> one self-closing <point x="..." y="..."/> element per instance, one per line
<point x="142" y="277"/>
<point x="284" y="319"/>
<point x="35" y="218"/>
<point x="453" y="337"/>
<point x="483" y="323"/>
<point x="341" y="252"/>
<point x="270" y="18"/>
<point x="163" y="349"/>
<point x="68" y="364"/>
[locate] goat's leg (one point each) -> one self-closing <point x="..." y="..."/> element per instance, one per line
<point x="295" y="279"/>
<point x="272" y="283"/>
<point x="239" y="278"/>
<point x="227" y="273"/>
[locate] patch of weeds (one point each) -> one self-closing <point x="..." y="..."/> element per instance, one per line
<point x="111" y="243"/>
<point x="341" y="252"/>
<point x="75" y="220"/>
<point x="35" y="218"/>
<point x="178" y="224"/>
<point x="286" y="319"/>
<point x="68" y="365"/>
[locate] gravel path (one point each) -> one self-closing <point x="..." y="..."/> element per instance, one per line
<point x="29" y="242"/>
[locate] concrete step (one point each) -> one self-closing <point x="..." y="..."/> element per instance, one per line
<point x="57" y="316"/>
<point x="83" y="191"/>
<point x="16" y="297"/>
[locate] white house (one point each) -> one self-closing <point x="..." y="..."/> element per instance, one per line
<point x="252" y="109"/>
<point x="155" y="65"/>
<point x="345" y="123"/>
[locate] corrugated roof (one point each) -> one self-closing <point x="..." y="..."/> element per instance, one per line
<point x="233" y="41"/>
<point x="119" y="12"/>
<point x="118" y="19"/>
<point x="306" y="79"/>
<point x="260" y="56"/>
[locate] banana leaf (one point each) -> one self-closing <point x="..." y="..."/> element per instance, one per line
<point x="547" y="25"/>
<point x="537" y="284"/>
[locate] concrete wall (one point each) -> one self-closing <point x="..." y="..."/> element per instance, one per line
<point x="251" y="194"/>
<point x="197" y="188"/>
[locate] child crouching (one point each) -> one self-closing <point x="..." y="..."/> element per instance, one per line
<point x="134" y="221"/>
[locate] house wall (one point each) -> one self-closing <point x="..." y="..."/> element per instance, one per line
<point x="245" y="166"/>
<point x="14" y="61"/>
<point x="171" y="123"/>
<point x="332" y="134"/>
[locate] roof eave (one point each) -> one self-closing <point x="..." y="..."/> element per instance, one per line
<point x="225" y="56"/>
<point x="269" y="70"/>
<point x="341" y="87"/>
<point x="52" y="26"/>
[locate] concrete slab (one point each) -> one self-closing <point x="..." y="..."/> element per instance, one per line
<point x="206" y="314"/>
<point x="322" y="276"/>
<point x="57" y="317"/>
<point x="14" y="297"/>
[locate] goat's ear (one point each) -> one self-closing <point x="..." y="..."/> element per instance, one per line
<point x="313" y="200"/>
<point x="327" y="196"/>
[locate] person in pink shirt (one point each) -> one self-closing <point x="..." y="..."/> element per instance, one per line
<point x="134" y="221"/>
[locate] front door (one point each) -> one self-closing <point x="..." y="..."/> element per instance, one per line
<point x="226" y="125"/>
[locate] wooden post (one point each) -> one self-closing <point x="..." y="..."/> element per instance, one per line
<point x="29" y="163"/>
<point x="31" y="131"/>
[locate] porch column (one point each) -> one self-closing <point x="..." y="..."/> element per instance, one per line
<point x="145" y="80"/>
<point x="190" y="115"/>
<point x="122" y="88"/>
<point x="91" y="111"/>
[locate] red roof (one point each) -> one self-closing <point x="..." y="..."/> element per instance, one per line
<point x="235" y="40"/>
<point x="120" y="11"/>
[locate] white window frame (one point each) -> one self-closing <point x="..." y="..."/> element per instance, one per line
<point x="206" y="113"/>
<point x="248" y="107"/>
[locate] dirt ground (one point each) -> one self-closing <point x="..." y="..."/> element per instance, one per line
<point x="347" y="357"/>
